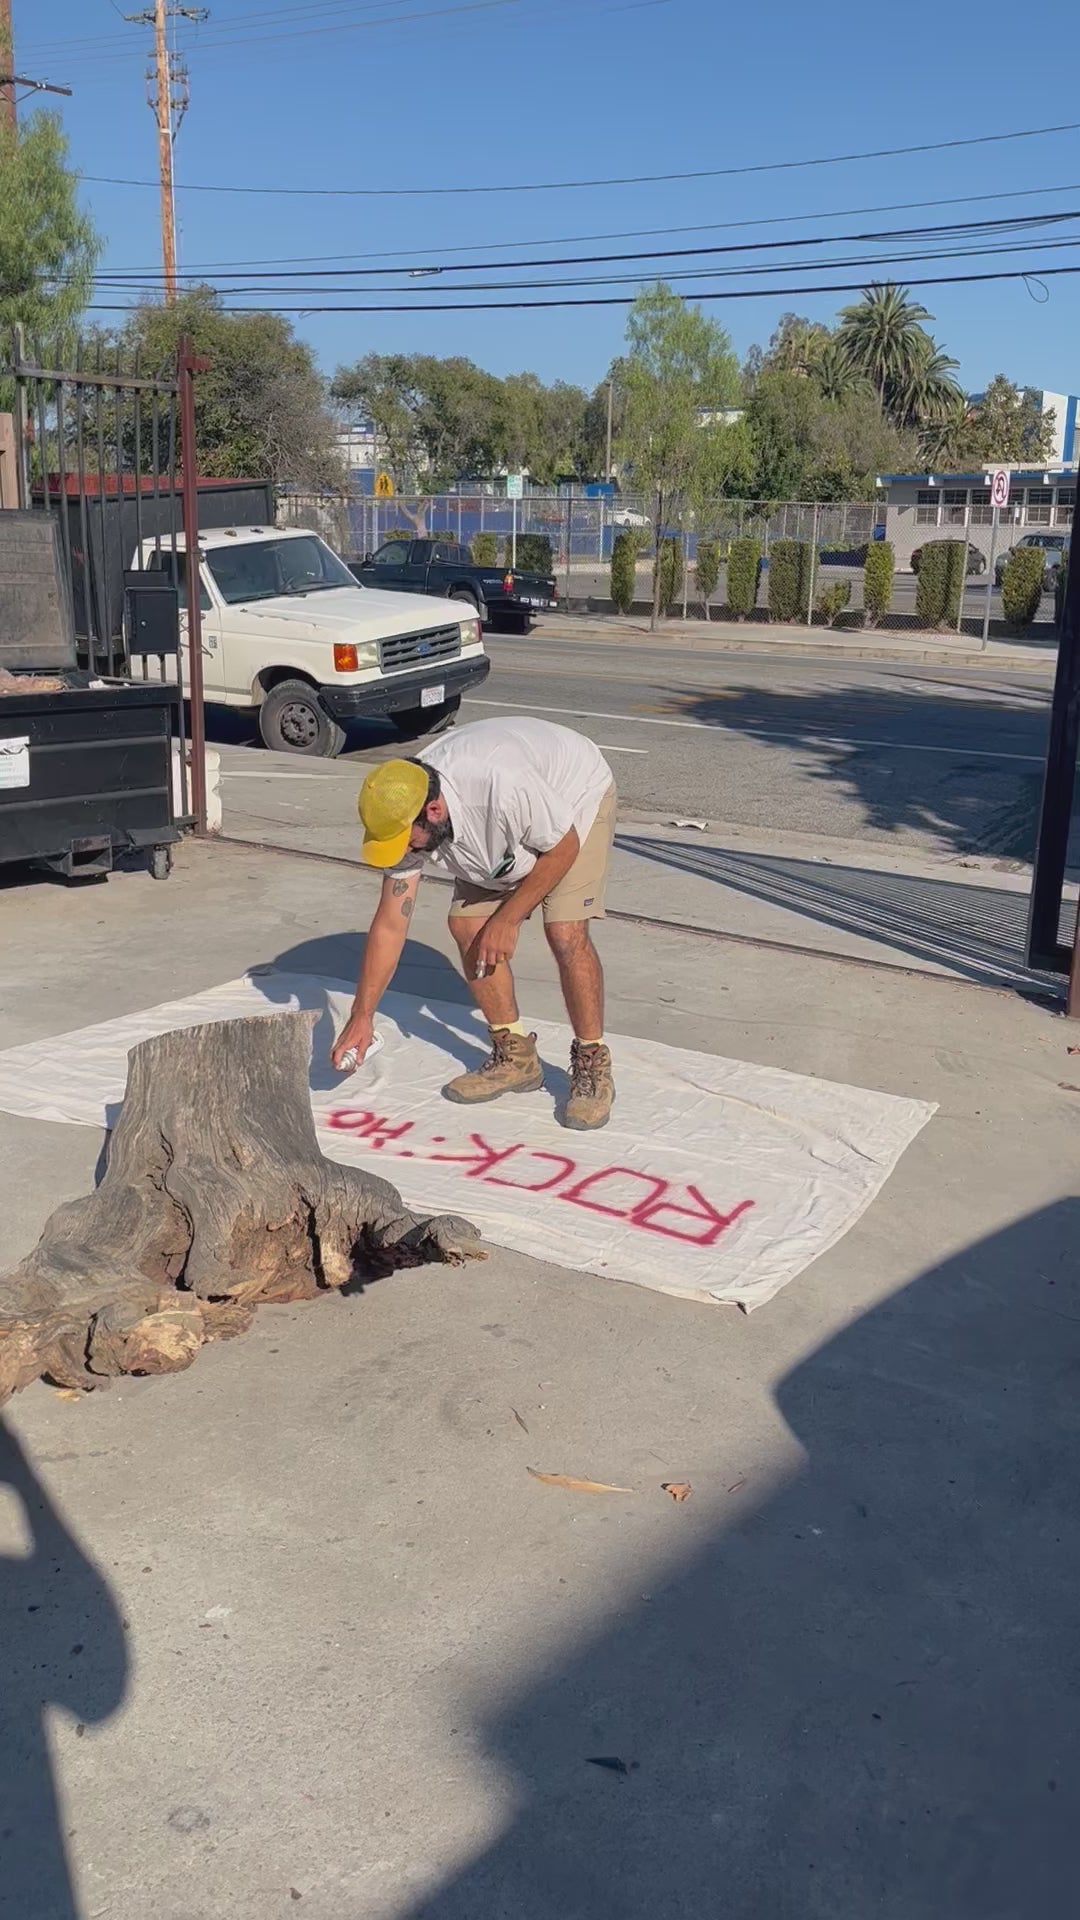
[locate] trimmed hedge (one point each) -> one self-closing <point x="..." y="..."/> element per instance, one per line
<point x="1022" y="586"/>
<point x="834" y="600"/>
<point x="484" y="548"/>
<point x="941" y="576"/>
<point x="669" y="563"/>
<point x="623" y="572"/>
<point x="743" y="575"/>
<point x="533" y="552"/>
<point x="707" y="571"/>
<point x="1059" y="590"/>
<point x="789" y="579"/>
<point x="878" y="581"/>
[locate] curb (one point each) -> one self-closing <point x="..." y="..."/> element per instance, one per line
<point x="770" y="643"/>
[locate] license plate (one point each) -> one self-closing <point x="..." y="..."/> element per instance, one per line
<point x="432" y="696"/>
<point x="537" y="603"/>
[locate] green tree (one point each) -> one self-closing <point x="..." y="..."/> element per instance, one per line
<point x="797" y="346"/>
<point x="882" y="335"/>
<point x="679" y="372"/>
<point x="48" y="249"/>
<point x="1007" y="425"/>
<point x="381" y="386"/>
<point x="781" y="417"/>
<point x="261" y="407"/>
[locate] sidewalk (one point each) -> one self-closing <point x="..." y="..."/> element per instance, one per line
<point x="305" y="1629"/>
<point x="760" y="636"/>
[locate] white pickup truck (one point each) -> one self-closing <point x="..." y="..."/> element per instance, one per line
<point x="287" y="633"/>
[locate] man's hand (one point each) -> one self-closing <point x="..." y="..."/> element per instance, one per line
<point x="496" y="941"/>
<point x="356" y="1036"/>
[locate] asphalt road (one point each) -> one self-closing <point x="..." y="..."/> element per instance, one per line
<point x="938" y="758"/>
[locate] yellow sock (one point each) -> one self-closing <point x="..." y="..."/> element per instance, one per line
<point x="508" y="1026"/>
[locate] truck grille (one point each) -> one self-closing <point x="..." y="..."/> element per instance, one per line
<point x="420" y="649"/>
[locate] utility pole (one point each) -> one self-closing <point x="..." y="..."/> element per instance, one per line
<point x="9" y="79"/>
<point x="168" y="96"/>
<point x="610" y="403"/>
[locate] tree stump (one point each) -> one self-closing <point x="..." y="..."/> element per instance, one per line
<point x="215" y="1197"/>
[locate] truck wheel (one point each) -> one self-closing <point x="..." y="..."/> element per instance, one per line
<point x="463" y="593"/>
<point x="417" y="721"/>
<point x="292" y="720"/>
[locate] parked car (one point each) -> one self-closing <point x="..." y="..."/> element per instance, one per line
<point x="288" y="634"/>
<point x="1054" y="545"/>
<point x="502" y="596"/>
<point x="629" y="518"/>
<point x="976" y="559"/>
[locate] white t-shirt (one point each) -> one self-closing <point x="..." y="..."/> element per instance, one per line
<point x="514" y="789"/>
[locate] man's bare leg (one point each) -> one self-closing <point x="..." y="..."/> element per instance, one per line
<point x="493" y="992"/>
<point x="592" y="1088"/>
<point x="580" y="976"/>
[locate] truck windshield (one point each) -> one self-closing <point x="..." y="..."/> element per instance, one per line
<point x="267" y="569"/>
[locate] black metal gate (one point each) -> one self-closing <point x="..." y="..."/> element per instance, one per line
<point x="100" y="444"/>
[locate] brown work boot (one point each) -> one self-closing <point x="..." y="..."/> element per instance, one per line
<point x="592" y="1089"/>
<point x="514" y="1067"/>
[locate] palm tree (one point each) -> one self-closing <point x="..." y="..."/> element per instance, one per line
<point x="927" y="392"/>
<point x="882" y="336"/>
<point x="835" y="375"/>
<point x="943" y="441"/>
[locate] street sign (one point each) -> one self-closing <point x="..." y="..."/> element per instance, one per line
<point x="999" y="487"/>
<point x="384" y="486"/>
<point x="515" y="486"/>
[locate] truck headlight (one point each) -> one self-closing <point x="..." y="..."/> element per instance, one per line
<point x="470" y="632"/>
<point x="350" y="657"/>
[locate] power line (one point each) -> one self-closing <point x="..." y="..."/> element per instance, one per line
<point x="632" y="233"/>
<point x="954" y="229"/>
<point x="626" y="300"/>
<point x="629" y="180"/>
<point x="88" y="42"/>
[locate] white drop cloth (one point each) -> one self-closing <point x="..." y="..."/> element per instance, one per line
<point x="716" y="1180"/>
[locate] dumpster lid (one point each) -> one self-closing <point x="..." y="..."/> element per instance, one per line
<point x="37" y="631"/>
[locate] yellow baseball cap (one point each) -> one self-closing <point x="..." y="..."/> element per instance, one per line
<point x="391" y="798"/>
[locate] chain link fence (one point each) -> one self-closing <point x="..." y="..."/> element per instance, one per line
<point x="581" y="530"/>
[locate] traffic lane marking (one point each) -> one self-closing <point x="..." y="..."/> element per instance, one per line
<point x="808" y="739"/>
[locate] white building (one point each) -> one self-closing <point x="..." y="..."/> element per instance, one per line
<point x="943" y="506"/>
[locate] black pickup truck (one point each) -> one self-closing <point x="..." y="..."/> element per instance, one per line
<point x="502" y="596"/>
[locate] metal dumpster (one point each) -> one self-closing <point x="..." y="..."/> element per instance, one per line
<point x="85" y="774"/>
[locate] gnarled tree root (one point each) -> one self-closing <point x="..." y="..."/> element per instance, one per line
<point x="215" y="1198"/>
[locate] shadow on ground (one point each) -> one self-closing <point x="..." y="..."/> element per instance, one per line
<point x="64" y="1647"/>
<point x="976" y="932"/>
<point x="860" y="1700"/>
<point x="947" y="784"/>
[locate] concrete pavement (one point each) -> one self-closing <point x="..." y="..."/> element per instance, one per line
<point x="761" y="635"/>
<point x="297" y="1627"/>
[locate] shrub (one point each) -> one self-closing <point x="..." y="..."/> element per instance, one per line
<point x="878" y="580"/>
<point x="484" y="549"/>
<point x="1059" y="590"/>
<point x="624" y="571"/>
<point x="942" y="568"/>
<point x="533" y="552"/>
<point x="1022" y="586"/>
<point x="833" y="600"/>
<point x="669" y="561"/>
<point x="707" y="571"/>
<point x="789" y="579"/>
<point x="743" y="574"/>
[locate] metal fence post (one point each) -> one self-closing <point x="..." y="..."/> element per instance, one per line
<point x="813" y="559"/>
<point x="569" y="540"/>
<point x="187" y="366"/>
<point x="685" y="569"/>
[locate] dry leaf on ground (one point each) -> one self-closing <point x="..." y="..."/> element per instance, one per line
<point x="575" y="1486"/>
<point x="678" y="1489"/>
<point x="519" y="1420"/>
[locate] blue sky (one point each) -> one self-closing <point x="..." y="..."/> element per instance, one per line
<point x="340" y="93"/>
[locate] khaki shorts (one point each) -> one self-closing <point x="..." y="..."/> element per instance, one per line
<point x="580" y="894"/>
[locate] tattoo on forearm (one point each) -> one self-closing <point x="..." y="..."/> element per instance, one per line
<point x="407" y="907"/>
<point x="399" y="887"/>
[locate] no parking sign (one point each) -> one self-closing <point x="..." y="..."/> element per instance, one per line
<point x="999" y="487"/>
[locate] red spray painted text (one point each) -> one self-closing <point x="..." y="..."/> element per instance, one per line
<point x="622" y="1193"/>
